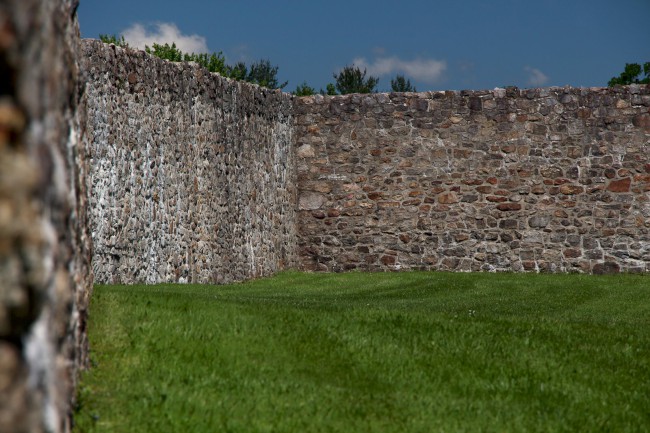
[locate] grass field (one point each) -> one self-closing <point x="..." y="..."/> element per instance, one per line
<point x="385" y="352"/>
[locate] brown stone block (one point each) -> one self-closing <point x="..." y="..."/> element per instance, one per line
<point x="450" y="262"/>
<point x="486" y="189"/>
<point x="448" y="198"/>
<point x="610" y="173"/>
<point x="523" y="150"/>
<point x="574" y="152"/>
<point x="495" y="199"/>
<point x="606" y="268"/>
<point x="551" y="172"/>
<point x="376" y="195"/>
<point x="415" y="193"/>
<point x="412" y="202"/>
<point x="642" y="178"/>
<point x="430" y="260"/>
<point x="583" y="113"/>
<point x="332" y="213"/>
<point x="529" y="265"/>
<point x="571" y="189"/>
<point x="388" y="204"/>
<point x="621" y="185"/>
<point x="492" y="180"/>
<point x="572" y="253"/>
<point x="560" y="213"/>
<point x="642" y="121"/>
<point x="595" y="189"/>
<point x="404" y="237"/>
<point x="506" y="207"/>
<point x="352" y="212"/>
<point x="388" y="260"/>
<point x="462" y="153"/>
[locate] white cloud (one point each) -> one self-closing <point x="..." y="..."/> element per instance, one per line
<point x="536" y="77"/>
<point x="425" y="70"/>
<point x="138" y="36"/>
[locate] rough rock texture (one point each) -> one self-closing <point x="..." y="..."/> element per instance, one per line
<point x="507" y="180"/>
<point x="45" y="277"/>
<point x="193" y="174"/>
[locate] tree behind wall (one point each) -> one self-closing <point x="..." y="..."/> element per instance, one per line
<point x="632" y="75"/>
<point x="401" y="84"/>
<point x="352" y="80"/>
<point x="264" y="74"/>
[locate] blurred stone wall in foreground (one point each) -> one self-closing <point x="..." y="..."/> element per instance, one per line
<point x="45" y="275"/>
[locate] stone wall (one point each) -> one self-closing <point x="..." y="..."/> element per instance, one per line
<point x="45" y="276"/>
<point x="192" y="174"/>
<point x="553" y="180"/>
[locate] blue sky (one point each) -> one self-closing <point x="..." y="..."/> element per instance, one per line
<point x="439" y="45"/>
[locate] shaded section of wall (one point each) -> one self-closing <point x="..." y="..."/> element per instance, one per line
<point x="192" y="174"/>
<point x="45" y="277"/>
<point x="507" y="180"/>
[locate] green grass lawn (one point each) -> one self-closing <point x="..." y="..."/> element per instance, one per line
<point x="384" y="352"/>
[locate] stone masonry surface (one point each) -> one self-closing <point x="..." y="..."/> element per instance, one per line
<point x="184" y="176"/>
<point x="192" y="174"/>
<point x="45" y="276"/>
<point x="554" y="180"/>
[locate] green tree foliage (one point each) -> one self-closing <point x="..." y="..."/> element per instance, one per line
<point x="166" y="52"/>
<point x="264" y="74"/>
<point x="632" y="75"/>
<point x="261" y="72"/>
<point x="214" y="62"/>
<point x="113" y="39"/>
<point x="304" y="90"/>
<point x="401" y="84"/>
<point x="352" y="80"/>
<point x="239" y="71"/>
<point x="330" y="90"/>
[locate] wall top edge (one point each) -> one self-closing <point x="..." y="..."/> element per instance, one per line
<point x="497" y="92"/>
<point x="96" y="44"/>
